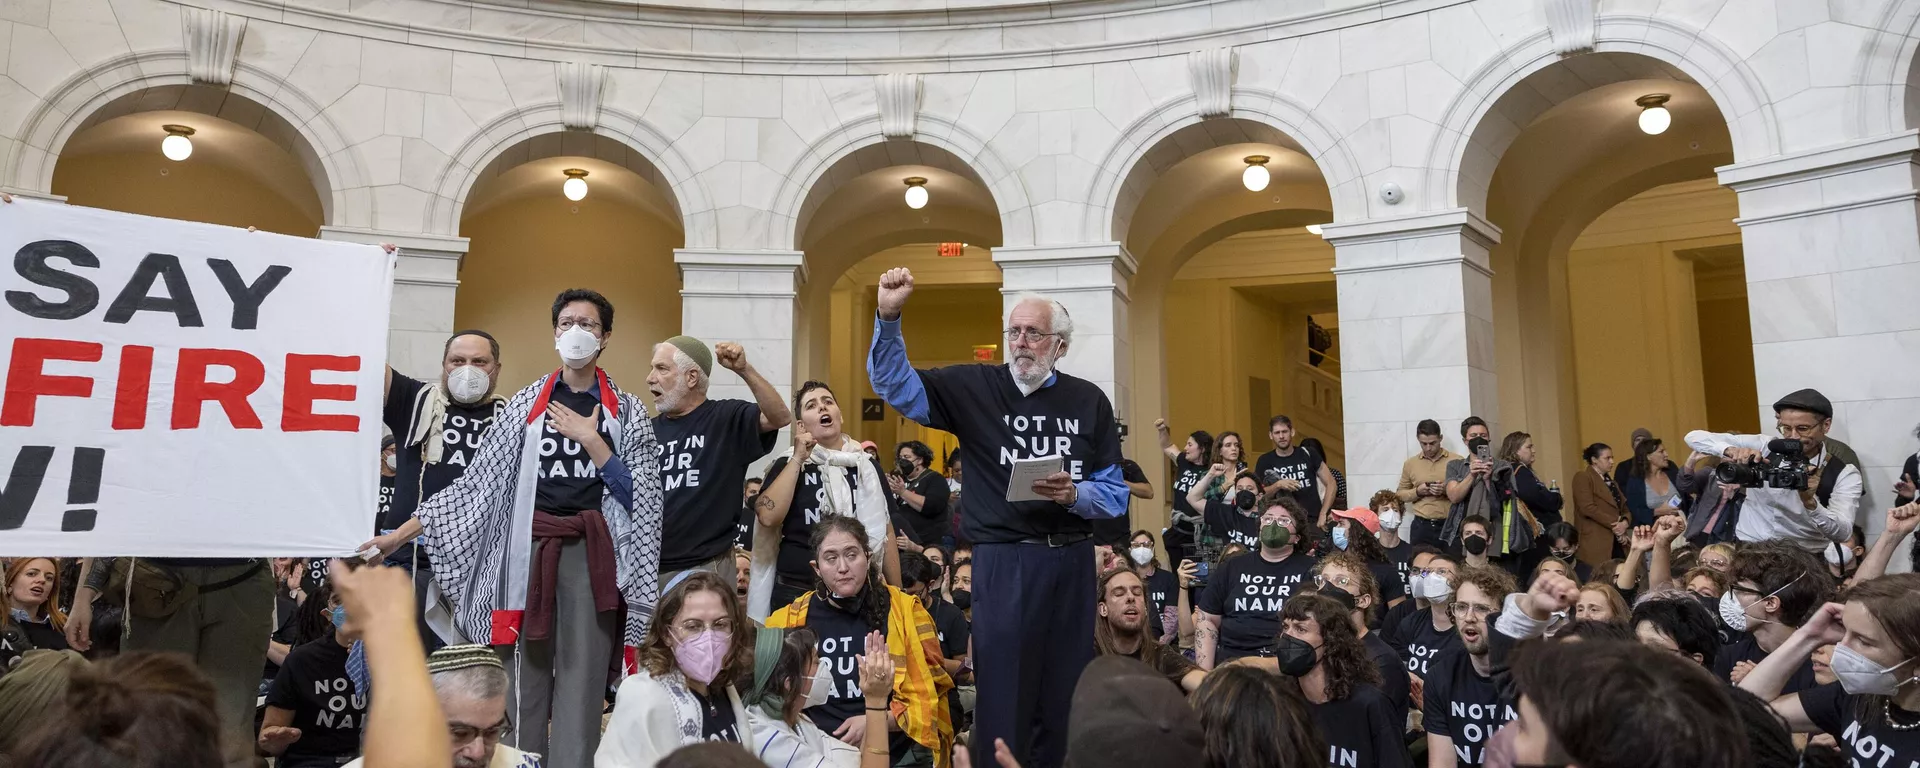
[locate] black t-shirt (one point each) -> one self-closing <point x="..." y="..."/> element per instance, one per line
<point x="717" y="722"/>
<point x="1463" y="706"/>
<point x="1230" y="525"/>
<point x="569" y="480"/>
<point x="285" y="611"/>
<point x="1363" y="729"/>
<point x="744" y="529"/>
<point x="313" y="574"/>
<point x="981" y="406"/>
<point x="1394" y="621"/>
<point x="1394" y="681"/>
<point x="1402" y="559"/>
<point x="1301" y="465"/>
<point x="1424" y="643"/>
<point x="1870" y="740"/>
<point x="704" y="457"/>
<point x="384" y="520"/>
<point x="950" y="626"/>
<point x="1247" y="593"/>
<point x="1114" y="531"/>
<point x="1387" y="577"/>
<point x="414" y="479"/>
<point x="1161" y="589"/>
<point x="842" y="639"/>
<point x="928" y="523"/>
<point x="1745" y="648"/>
<point x="1185" y="475"/>
<point x="329" y="713"/>
<point x="809" y="499"/>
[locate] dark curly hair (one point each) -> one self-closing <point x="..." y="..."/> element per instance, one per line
<point x="1342" y="655"/>
<point x="599" y="302"/>
<point x="313" y="620"/>
<point x="656" y="651"/>
<point x="1253" y="717"/>
<point x="875" y="599"/>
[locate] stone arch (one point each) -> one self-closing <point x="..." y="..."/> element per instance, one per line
<point x="1127" y="171"/>
<point x="1885" y="97"/>
<point x="654" y="159"/>
<point x="141" y="82"/>
<point x="808" y="179"/>
<point x="1467" y="148"/>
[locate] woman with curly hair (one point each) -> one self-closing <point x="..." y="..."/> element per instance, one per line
<point x="1354" y="531"/>
<point x="1321" y="649"/>
<point x="1252" y="717"/>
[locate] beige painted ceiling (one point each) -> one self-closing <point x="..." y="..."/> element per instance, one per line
<point x="216" y="142"/>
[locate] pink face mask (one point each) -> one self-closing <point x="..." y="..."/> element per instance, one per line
<point x="701" y="655"/>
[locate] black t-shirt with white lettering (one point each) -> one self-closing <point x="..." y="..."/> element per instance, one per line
<point x="1869" y="739"/>
<point x="1745" y="648"/>
<point x="1394" y="681"/>
<point x="743" y="529"/>
<point x="384" y="502"/>
<point x="1402" y="559"/>
<point x="1463" y="706"/>
<point x="1185" y="475"/>
<point x="1247" y="593"/>
<point x="1363" y="730"/>
<point x="313" y="684"/>
<point x="1231" y="525"/>
<point x="1393" y="621"/>
<point x="1424" y="643"/>
<point x="414" y="479"/>
<point x="809" y="501"/>
<point x="996" y="425"/>
<point x="1161" y="588"/>
<point x="717" y="721"/>
<point x="704" y="457"/>
<point x="1300" y="465"/>
<point x="569" y="480"/>
<point x="842" y="639"/>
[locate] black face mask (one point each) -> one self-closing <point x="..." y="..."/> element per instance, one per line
<point x="1341" y="596"/>
<point x="902" y="467"/>
<point x="1244" y="499"/>
<point x="1565" y="557"/>
<point x="1474" y="545"/>
<point x="962" y="599"/>
<point x="1296" y="656"/>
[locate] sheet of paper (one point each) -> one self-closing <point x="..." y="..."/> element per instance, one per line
<point x="1025" y="472"/>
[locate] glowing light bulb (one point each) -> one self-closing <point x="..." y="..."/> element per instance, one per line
<point x="916" y="192"/>
<point x="176" y="146"/>
<point x="1255" y="177"/>
<point x="1654" y="117"/>
<point x="575" y="187"/>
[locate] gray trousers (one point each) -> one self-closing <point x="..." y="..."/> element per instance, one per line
<point x="562" y="680"/>
<point x="224" y="634"/>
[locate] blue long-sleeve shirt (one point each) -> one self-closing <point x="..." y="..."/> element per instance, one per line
<point x="996" y="424"/>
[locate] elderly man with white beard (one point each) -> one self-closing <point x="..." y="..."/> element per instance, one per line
<point x="1032" y="560"/>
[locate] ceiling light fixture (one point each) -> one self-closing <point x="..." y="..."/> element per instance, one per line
<point x="916" y="192"/>
<point x="1654" y="117"/>
<point x="575" y="187"/>
<point x="1255" y="177"/>
<point x="176" y="146"/>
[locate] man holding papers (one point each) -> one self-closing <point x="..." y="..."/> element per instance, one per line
<point x="1033" y="579"/>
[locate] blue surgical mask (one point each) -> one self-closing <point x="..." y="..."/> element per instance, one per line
<point x="339" y="616"/>
<point x="1340" y="538"/>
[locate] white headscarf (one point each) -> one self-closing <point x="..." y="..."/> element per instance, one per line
<point x="868" y="504"/>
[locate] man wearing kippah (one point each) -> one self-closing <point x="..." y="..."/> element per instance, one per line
<point x="471" y="684"/>
<point x="1810" y="517"/>
<point x="705" y="449"/>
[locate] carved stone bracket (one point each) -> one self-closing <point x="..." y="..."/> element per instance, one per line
<point x="581" y="86"/>
<point x="899" y="98"/>
<point x="1212" y="72"/>
<point x="213" y="45"/>
<point x="1572" y="24"/>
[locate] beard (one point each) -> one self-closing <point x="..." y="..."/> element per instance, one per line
<point x="1031" y="370"/>
<point x="670" y="400"/>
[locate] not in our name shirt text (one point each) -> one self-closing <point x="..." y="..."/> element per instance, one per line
<point x="1870" y="741"/>
<point x="1463" y="706"/>
<point x="414" y="479"/>
<point x="569" y="481"/>
<point x="704" y="457"/>
<point x="313" y="684"/>
<point x="1247" y="592"/>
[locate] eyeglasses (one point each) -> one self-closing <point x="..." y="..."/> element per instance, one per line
<point x="1029" y="335"/>
<point x="692" y="627"/>
<point x="1343" y="582"/>
<point x="1797" y="430"/>
<point x="1469" y="610"/>
<point x="465" y="734"/>
<point x="568" y="324"/>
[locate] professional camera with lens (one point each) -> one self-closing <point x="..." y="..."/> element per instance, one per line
<point x="1786" y="466"/>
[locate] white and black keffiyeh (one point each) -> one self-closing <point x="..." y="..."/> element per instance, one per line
<point x="480" y="529"/>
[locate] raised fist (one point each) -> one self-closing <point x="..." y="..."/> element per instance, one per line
<point x="895" y="286"/>
<point x="730" y="356"/>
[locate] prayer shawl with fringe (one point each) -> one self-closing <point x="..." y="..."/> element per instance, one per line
<point x="481" y="528"/>
<point x="920" y="683"/>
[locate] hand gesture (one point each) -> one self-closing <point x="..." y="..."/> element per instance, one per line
<point x="905" y="544"/>
<point x="1900" y="522"/>
<point x="80" y="621"/>
<point x="1058" y="487"/>
<point x="1642" y="539"/>
<point x="1217" y="470"/>
<point x="1620" y="528"/>
<point x="1479" y="467"/>
<point x="1416" y="689"/>
<point x="375" y="596"/>
<point x="1825" y="625"/>
<point x="1904" y="486"/>
<point x="852" y="731"/>
<point x="730" y="356"/>
<point x="895" y="484"/>
<point x="573" y="426"/>
<point x="1160" y="426"/>
<point x="1551" y="592"/>
<point x="876" y="671"/>
<point x="1666" y="528"/>
<point x="895" y="286"/>
<point x="803" y="442"/>
<point x="1287" y="484"/>
<point x="1740" y="670"/>
<point x="1188" y="570"/>
<point x="274" y="739"/>
<point x="1002" y="756"/>
<point x="386" y="543"/>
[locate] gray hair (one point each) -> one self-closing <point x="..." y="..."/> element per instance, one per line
<point x="1061" y="322"/>
<point x="682" y="363"/>
<point x="476" y="682"/>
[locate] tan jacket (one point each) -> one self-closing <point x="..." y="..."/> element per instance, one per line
<point x="1417" y="470"/>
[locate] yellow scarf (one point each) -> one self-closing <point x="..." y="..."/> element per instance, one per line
<point x="920" y="683"/>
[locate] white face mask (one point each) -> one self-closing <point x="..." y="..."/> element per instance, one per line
<point x="820" y="686"/>
<point x="1859" y="676"/>
<point x="1735" y="614"/>
<point x="576" y="347"/>
<point x="1141" y="555"/>
<point x="467" y="384"/>
<point x="1839" y="555"/>
<point x="1390" y="521"/>
<point x="1432" y="587"/>
<point x="393" y="461"/>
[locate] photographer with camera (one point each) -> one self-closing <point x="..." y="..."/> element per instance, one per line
<point x="1797" y="492"/>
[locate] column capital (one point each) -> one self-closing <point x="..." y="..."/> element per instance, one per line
<point x="1065" y="268"/>
<point x="1061" y="255"/>
<point x="1456" y="235"/>
<point x="720" y="273"/>
<point x="1857" y="174"/>
<point x="423" y="259"/>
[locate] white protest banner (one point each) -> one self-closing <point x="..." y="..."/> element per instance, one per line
<point x="175" y="389"/>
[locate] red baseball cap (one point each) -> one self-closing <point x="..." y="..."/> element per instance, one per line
<point x="1361" y="515"/>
